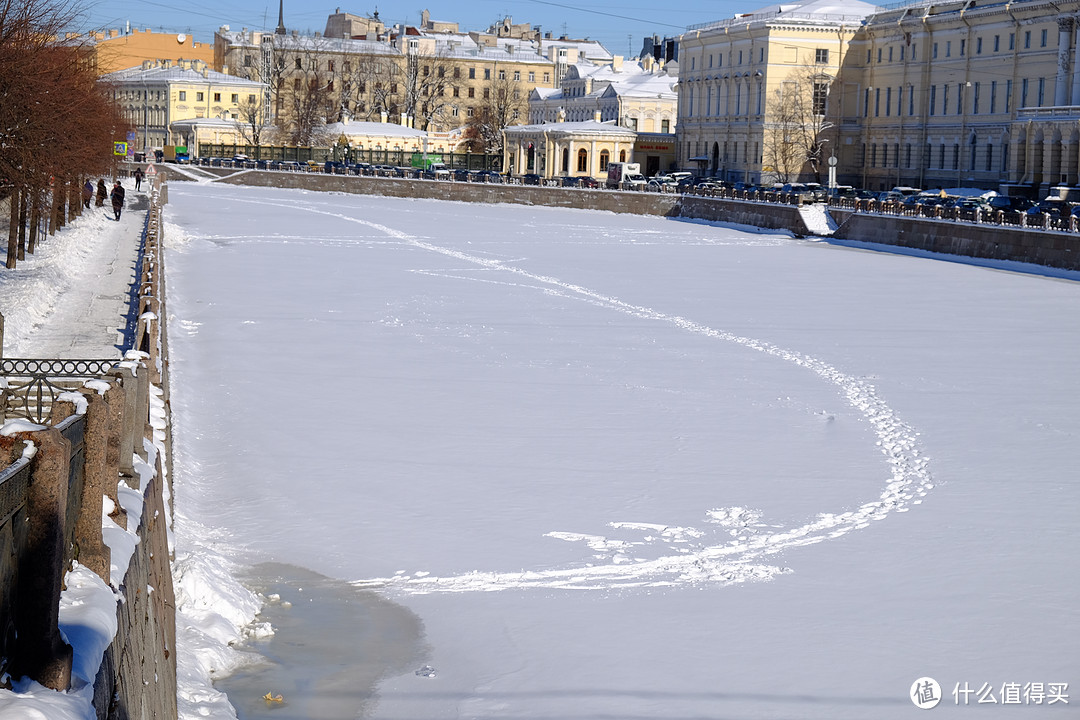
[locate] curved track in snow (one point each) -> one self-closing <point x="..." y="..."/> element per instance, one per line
<point x="746" y="556"/>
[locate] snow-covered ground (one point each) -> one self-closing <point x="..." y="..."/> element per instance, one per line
<point x="585" y="465"/>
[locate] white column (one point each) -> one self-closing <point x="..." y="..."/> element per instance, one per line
<point x="1074" y="97"/>
<point x="1061" y="90"/>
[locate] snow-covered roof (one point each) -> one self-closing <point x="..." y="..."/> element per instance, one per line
<point x="586" y="127"/>
<point x="175" y="74"/>
<point x="374" y="128"/>
<point x="811" y="11"/>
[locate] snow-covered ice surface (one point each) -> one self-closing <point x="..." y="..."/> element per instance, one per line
<point x="632" y="467"/>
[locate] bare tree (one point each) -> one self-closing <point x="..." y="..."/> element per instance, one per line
<point x="502" y="103"/>
<point x="795" y="125"/>
<point x="427" y="80"/>
<point x="56" y="122"/>
<point x="252" y="124"/>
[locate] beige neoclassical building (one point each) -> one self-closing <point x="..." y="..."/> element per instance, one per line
<point x="961" y="95"/>
<point x="927" y="94"/>
<point x="575" y="149"/>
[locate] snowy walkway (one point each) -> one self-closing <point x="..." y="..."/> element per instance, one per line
<point x="71" y="297"/>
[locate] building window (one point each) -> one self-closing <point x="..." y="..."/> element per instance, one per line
<point x="547" y="77"/>
<point x="472" y="92"/>
<point x="1004" y="157"/>
<point x="583" y="160"/>
<point x="978" y="46"/>
<point x="993" y="96"/>
<point x="907" y="155"/>
<point x="183" y="96"/>
<point x="1042" y="91"/>
<point x="960" y="98"/>
<point x="517" y="75"/>
<point x="975" y="99"/>
<point x="933" y="99"/>
<point x="997" y="43"/>
<point x="346" y="66"/>
<point x="299" y="63"/>
<point x="1023" y="92"/>
<point x="944" y="99"/>
<point x="622" y="156"/>
<point x="487" y="73"/>
<point x="487" y="92"/>
<point x="532" y="77"/>
<point x="877" y="102"/>
<point x="247" y="61"/>
<point x="236" y="98"/>
<point x="956" y="156"/>
<point x="1008" y="96"/>
<point x="502" y="74"/>
<point x="472" y="73"/>
<point x="469" y="112"/>
<point x="948" y="48"/>
<point x="902" y="53"/>
<point x="251" y="98"/>
<point x="963" y="47"/>
<point x="665" y="126"/>
<point x="879" y="55"/>
<point x="198" y="97"/>
<point x="566" y="160"/>
<point x="604" y="160"/>
<point x="821" y="55"/>
<point x="1027" y="39"/>
<point x="989" y="156"/>
<point x="888" y="101"/>
<point x="217" y="97"/>
<point x="873" y="155"/>
<point x="910" y="99"/>
<point x="934" y="53"/>
<point x="330" y="66"/>
<point x="1042" y="41"/>
<point x="457" y="92"/>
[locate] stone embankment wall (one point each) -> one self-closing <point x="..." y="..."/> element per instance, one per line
<point x="98" y="445"/>
<point x="1043" y="247"/>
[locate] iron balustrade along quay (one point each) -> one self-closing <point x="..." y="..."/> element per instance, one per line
<point x="33" y="384"/>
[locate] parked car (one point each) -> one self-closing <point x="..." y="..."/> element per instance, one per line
<point x="530" y="179"/>
<point x="1056" y="209"/>
<point x="590" y="182"/>
<point x="461" y="175"/>
<point x="1009" y="204"/>
<point x="569" y="181"/>
<point x="971" y="207"/>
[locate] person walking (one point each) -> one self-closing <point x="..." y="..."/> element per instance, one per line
<point x="102" y="193"/>
<point x="117" y="199"/>
<point x="87" y="193"/>
<point x="139" y="175"/>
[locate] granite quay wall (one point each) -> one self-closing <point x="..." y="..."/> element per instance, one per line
<point x="83" y="431"/>
<point x="976" y="240"/>
<point x="773" y="211"/>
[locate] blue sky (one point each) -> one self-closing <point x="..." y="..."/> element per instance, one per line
<point x="620" y="26"/>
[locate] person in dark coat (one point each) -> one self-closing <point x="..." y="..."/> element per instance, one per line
<point x="102" y="193"/>
<point x="117" y="199"/>
<point x="87" y="193"/>
<point x="139" y="175"/>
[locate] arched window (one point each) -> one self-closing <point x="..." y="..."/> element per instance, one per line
<point x="583" y="160"/>
<point x="622" y="156"/>
<point x="604" y="157"/>
<point x="566" y="160"/>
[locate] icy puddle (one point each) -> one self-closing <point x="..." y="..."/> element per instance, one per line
<point x="332" y="645"/>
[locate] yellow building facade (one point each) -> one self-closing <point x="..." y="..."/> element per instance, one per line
<point x="734" y="72"/>
<point x="158" y="94"/>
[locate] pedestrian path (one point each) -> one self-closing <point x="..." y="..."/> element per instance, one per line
<point x="71" y="298"/>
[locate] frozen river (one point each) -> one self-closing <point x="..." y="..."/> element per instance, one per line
<point x="546" y="463"/>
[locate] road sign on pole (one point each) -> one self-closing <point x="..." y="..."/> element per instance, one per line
<point x="120" y="148"/>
